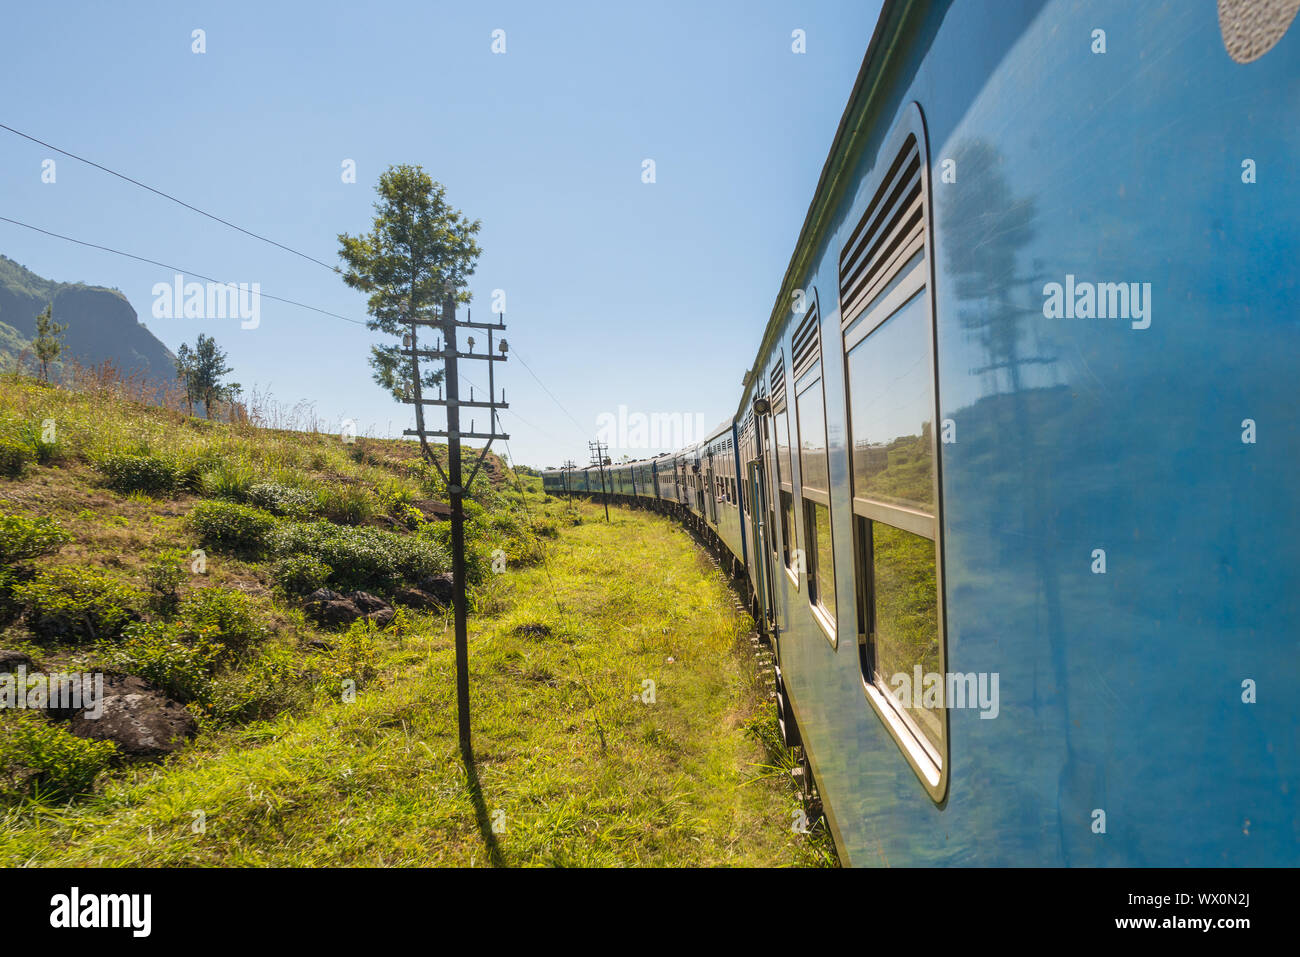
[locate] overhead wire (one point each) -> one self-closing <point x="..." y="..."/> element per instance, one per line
<point x="169" y="196"/>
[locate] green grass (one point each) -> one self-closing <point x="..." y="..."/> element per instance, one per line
<point x="571" y="765"/>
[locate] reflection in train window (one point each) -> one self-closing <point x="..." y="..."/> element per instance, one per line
<point x="810" y="407"/>
<point x="891" y="401"/>
<point x="821" y="563"/>
<point x="885" y="315"/>
<point x="891" y="425"/>
<point x="906" y="626"/>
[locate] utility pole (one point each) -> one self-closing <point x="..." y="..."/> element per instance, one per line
<point x="566" y="472"/>
<point x="598" y="457"/>
<point x="450" y="354"/>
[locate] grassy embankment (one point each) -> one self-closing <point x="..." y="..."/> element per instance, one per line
<point x="573" y="765"/>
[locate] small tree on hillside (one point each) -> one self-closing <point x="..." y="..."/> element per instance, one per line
<point x="186" y="373"/>
<point x="201" y="370"/>
<point x="420" y="249"/>
<point x="48" y="344"/>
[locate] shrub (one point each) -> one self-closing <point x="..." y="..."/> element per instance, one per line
<point x="524" y="550"/>
<point x="232" y="527"/>
<point x="281" y="499"/>
<point x="545" y="528"/>
<point x="301" y="574"/>
<point x="44" y="760"/>
<point x="165" y="656"/>
<point x="478" y="555"/>
<point x="43" y="443"/>
<point x="14" y="457"/>
<point x="345" y="504"/>
<point x="409" y="515"/>
<point x="22" y="539"/>
<point x="164" y="577"/>
<point x="264" y="687"/>
<point x="227" y="480"/>
<point x="77" y="604"/>
<point x="366" y="558"/>
<point x="150" y="474"/>
<point x="224" y="616"/>
<point x="192" y="464"/>
<point x="355" y="658"/>
<point x="504" y="521"/>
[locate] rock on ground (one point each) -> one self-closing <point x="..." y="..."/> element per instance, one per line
<point x="12" y="660"/>
<point x="139" y="719"/>
<point x="330" y="609"/>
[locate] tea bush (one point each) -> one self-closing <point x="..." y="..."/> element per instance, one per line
<point x="301" y="574"/>
<point x="366" y="558"/>
<point x="43" y="760"/>
<point x="22" y="539"/>
<point x="77" y="604"/>
<point x="232" y="527"/>
<point x="164" y="576"/>
<point x="150" y="474"/>
<point x="167" y="657"/>
<point x="281" y="499"/>
<point x="14" y="457"/>
<point x="222" y="616"/>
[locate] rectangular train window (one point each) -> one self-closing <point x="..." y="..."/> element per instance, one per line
<point x="784" y="472"/>
<point x="810" y="412"/>
<point x="892" y="396"/>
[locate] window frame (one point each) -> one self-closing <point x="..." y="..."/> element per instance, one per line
<point x="930" y="764"/>
<point x="824" y="617"/>
<point x="784" y="485"/>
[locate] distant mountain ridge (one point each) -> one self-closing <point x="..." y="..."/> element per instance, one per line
<point x="101" y="324"/>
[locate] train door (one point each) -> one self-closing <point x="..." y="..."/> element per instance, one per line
<point x="711" y="492"/>
<point x="762" y="553"/>
<point x="770" y="500"/>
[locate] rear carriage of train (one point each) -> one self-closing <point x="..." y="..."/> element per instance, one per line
<point x="1029" y="564"/>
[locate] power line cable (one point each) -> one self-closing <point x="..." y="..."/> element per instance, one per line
<point x="580" y="426"/>
<point x="201" y="212"/>
<point x="237" y="228"/>
<point x="154" y="262"/>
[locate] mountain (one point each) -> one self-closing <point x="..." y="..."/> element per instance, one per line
<point x="101" y="324"/>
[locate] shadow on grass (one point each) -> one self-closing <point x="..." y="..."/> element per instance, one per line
<point x="480" y="809"/>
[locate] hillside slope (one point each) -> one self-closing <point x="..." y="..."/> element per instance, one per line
<point x="101" y="325"/>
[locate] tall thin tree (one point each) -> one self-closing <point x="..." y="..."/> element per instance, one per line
<point x="48" y="344"/>
<point x="202" y="370"/>
<point x="419" y="250"/>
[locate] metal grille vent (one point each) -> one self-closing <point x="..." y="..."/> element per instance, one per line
<point x="891" y="232"/>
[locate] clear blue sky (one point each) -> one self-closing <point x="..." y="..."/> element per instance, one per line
<point x="618" y="292"/>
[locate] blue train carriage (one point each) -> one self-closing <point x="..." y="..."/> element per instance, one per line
<point x="553" y="482"/>
<point x="645" y="481"/>
<point x="1018" y="448"/>
<point x="659" y="473"/>
<point x="641" y="486"/>
<point x="722" y="508"/>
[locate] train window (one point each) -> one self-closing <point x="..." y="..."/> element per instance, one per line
<point x="818" y="558"/>
<point x="888" y="344"/>
<point x="785" y="473"/>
